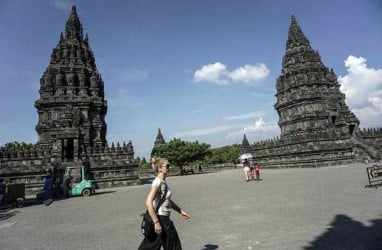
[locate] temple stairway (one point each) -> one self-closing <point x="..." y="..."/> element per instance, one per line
<point x="372" y="150"/>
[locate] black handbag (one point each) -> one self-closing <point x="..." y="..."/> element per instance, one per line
<point x="147" y="224"/>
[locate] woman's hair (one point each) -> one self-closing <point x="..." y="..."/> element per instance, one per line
<point x="156" y="162"/>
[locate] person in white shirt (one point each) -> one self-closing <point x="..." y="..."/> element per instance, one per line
<point x="164" y="227"/>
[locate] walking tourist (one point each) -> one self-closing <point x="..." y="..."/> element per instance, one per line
<point x="48" y="190"/>
<point x="251" y="172"/>
<point x="165" y="231"/>
<point x="246" y="169"/>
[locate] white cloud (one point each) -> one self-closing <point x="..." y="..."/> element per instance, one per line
<point x="260" y="126"/>
<point x="217" y="73"/>
<point x="63" y="4"/>
<point x="259" y="131"/>
<point x="363" y="89"/>
<point x="219" y="136"/>
<point x="244" y="116"/>
<point x="249" y="73"/>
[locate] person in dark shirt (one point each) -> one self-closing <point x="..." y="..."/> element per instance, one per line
<point x="48" y="190"/>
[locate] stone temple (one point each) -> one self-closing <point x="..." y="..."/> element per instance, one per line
<point x="159" y="140"/>
<point x="72" y="106"/>
<point x="71" y="120"/>
<point x="317" y="127"/>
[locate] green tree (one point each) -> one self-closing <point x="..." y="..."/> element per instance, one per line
<point x="144" y="164"/>
<point x="226" y="154"/>
<point x="16" y="146"/>
<point x="181" y="153"/>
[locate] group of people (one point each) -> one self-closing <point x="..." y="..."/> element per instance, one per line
<point x="250" y="171"/>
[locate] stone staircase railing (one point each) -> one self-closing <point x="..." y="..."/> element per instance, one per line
<point x="371" y="149"/>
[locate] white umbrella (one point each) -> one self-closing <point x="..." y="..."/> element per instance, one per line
<point x="246" y="156"/>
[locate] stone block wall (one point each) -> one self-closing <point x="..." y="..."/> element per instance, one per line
<point x="308" y="153"/>
<point x="319" y="150"/>
<point x="112" y="167"/>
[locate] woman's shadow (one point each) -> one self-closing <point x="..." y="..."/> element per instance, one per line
<point x="210" y="247"/>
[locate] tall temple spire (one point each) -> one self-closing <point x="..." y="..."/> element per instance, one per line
<point x="72" y="105"/>
<point x="295" y="36"/>
<point x="309" y="101"/>
<point x="245" y="147"/>
<point x="159" y="140"/>
<point x="73" y="28"/>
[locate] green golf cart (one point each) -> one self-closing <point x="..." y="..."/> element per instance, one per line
<point x="77" y="182"/>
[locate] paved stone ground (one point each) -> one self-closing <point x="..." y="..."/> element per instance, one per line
<point x="324" y="208"/>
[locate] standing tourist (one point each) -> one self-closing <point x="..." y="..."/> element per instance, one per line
<point x="257" y="171"/>
<point x="165" y="231"/>
<point x="3" y="188"/>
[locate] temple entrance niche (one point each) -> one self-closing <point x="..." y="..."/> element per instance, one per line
<point x="334" y="119"/>
<point x="68" y="149"/>
<point x="351" y="129"/>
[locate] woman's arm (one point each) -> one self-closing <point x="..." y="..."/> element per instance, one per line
<point x="150" y="208"/>
<point x="179" y="210"/>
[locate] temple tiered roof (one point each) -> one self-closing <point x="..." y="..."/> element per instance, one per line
<point x="71" y="106"/>
<point x="308" y="96"/>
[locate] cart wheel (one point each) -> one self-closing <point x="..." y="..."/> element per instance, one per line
<point x="86" y="192"/>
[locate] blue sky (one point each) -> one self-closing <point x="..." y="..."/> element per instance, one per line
<point x="199" y="70"/>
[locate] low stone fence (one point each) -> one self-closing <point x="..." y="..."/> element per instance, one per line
<point x="218" y="167"/>
<point x="107" y="175"/>
<point x="175" y="171"/>
<point x="116" y="176"/>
